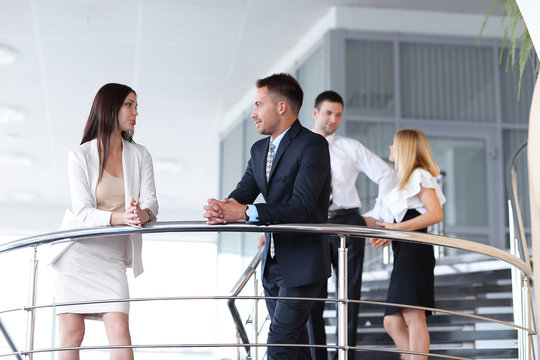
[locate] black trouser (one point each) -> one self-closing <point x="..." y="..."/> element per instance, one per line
<point x="355" y="264"/>
<point x="288" y="317"/>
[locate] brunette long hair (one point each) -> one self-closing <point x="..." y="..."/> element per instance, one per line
<point x="103" y="119"/>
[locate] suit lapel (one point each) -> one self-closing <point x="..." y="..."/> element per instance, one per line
<point x="283" y="145"/>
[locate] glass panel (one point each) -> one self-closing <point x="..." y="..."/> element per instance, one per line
<point x="369" y="78"/>
<point x="442" y="82"/>
<point x="511" y="140"/>
<point x="250" y="245"/>
<point x="311" y="78"/>
<point x="376" y="137"/>
<point x="231" y="243"/>
<point x="231" y="164"/>
<point x="463" y="164"/>
<point x="515" y="111"/>
<point x="251" y="136"/>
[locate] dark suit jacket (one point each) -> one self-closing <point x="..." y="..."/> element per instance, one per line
<point x="298" y="191"/>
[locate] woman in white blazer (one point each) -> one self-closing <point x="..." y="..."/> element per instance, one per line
<point x="111" y="182"/>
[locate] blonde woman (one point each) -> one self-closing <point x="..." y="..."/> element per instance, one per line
<point x="413" y="205"/>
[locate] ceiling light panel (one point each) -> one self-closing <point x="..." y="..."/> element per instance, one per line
<point x="11" y="114"/>
<point x="8" y="54"/>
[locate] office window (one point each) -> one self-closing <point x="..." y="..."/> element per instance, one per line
<point x="231" y="164"/>
<point x="369" y="78"/>
<point x="311" y="77"/>
<point x="515" y="111"/>
<point x="447" y="82"/>
<point x="376" y="137"/>
<point x="511" y="140"/>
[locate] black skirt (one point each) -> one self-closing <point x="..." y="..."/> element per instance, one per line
<point x="412" y="279"/>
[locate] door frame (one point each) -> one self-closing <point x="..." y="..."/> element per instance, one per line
<point x="494" y="172"/>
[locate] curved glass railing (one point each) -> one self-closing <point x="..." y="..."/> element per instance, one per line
<point x="521" y="266"/>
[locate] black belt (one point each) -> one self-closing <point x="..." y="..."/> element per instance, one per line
<point x="342" y="212"/>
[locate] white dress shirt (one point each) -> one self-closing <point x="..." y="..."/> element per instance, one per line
<point x="348" y="158"/>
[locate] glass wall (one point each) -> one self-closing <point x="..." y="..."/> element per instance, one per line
<point x="311" y="77"/>
<point x="447" y="82"/>
<point x="452" y="89"/>
<point x="458" y="94"/>
<point x="369" y="78"/>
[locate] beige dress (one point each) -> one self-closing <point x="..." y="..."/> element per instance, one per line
<point x="95" y="269"/>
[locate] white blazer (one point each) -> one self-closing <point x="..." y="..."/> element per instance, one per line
<point x="83" y="172"/>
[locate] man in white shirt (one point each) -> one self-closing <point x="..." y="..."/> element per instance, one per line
<point x="348" y="158"/>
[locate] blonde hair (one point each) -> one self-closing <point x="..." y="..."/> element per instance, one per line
<point x="412" y="151"/>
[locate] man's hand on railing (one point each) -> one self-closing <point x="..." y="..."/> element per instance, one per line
<point x="221" y="212"/>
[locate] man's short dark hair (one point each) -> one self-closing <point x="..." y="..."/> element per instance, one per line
<point x="283" y="86"/>
<point x="328" y="95"/>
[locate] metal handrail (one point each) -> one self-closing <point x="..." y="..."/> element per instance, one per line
<point x="9" y="341"/>
<point x="238" y="287"/>
<point x="511" y="189"/>
<point x="341" y="230"/>
<point x="201" y="226"/>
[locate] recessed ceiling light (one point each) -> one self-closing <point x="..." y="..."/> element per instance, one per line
<point x="17" y="160"/>
<point x="23" y="195"/>
<point x="11" y="114"/>
<point x="8" y="54"/>
<point x="12" y="138"/>
<point x="168" y="165"/>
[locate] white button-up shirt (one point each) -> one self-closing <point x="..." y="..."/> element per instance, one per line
<point x="348" y="158"/>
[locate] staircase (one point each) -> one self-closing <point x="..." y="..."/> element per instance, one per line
<point x="467" y="283"/>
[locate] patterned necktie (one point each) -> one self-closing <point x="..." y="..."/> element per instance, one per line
<point x="269" y="159"/>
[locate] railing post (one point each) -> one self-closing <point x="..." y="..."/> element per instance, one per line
<point x="525" y="308"/>
<point x="31" y="315"/>
<point x="256" y="316"/>
<point x="343" y="302"/>
<point x="517" y="282"/>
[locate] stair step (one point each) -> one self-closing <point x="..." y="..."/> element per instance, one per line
<point x="457" y="279"/>
<point x="374" y="321"/>
<point x="445" y="304"/>
<point x="467" y="353"/>
<point x="436" y="337"/>
<point x="484" y="291"/>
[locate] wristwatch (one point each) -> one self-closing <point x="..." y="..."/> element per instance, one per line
<point x="151" y="216"/>
<point x="247" y="213"/>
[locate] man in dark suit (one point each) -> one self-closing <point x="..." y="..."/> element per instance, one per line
<point x="291" y="169"/>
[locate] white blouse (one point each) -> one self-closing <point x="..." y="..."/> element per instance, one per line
<point x="397" y="202"/>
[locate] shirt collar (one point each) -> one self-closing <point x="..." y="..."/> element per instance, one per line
<point x="331" y="138"/>
<point x="278" y="139"/>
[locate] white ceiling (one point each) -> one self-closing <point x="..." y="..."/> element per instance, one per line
<point x="190" y="62"/>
